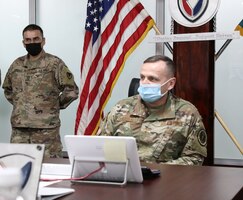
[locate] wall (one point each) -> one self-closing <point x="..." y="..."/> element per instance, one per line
<point x="12" y="20"/>
<point x="63" y="25"/>
<point x="229" y="82"/>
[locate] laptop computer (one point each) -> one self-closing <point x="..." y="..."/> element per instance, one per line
<point x="115" y="156"/>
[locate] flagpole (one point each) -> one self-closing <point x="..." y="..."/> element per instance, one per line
<point x="221" y="50"/>
<point x="229" y="132"/>
<point x="166" y="43"/>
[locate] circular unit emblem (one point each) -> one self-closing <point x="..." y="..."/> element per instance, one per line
<point x="193" y="13"/>
<point x="202" y="137"/>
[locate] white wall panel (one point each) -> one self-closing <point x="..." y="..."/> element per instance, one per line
<point x="14" y="16"/>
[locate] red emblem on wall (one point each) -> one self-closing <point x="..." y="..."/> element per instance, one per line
<point x="192" y="10"/>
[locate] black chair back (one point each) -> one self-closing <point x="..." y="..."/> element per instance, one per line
<point x="133" y="87"/>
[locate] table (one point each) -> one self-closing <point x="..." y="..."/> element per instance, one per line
<point x="175" y="182"/>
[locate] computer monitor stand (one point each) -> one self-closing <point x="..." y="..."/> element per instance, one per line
<point x="99" y="172"/>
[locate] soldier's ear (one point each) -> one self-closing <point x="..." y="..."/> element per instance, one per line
<point x="43" y="42"/>
<point x="23" y="44"/>
<point x="172" y="83"/>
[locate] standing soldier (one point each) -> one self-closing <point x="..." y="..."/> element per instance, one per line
<point x="38" y="85"/>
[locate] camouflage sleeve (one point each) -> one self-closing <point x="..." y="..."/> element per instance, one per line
<point x="187" y="160"/>
<point x="7" y="86"/>
<point x="106" y="127"/>
<point x="68" y="86"/>
<point x="196" y="147"/>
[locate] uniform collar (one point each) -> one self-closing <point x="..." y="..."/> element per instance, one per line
<point x="26" y="57"/>
<point x="166" y="112"/>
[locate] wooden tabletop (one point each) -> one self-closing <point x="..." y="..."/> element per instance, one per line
<point x="175" y="182"/>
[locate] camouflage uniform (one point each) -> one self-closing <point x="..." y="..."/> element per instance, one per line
<point x="172" y="134"/>
<point x="38" y="90"/>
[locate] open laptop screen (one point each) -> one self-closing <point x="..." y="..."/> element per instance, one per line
<point x="118" y="155"/>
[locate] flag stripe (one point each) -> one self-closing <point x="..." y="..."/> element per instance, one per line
<point x="123" y="25"/>
<point x="84" y="94"/>
<point x="110" y="54"/>
<point x="87" y="38"/>
<point x="112" y="50"/>
<point x="115" y="73"/>
<point x="106" y="34"/>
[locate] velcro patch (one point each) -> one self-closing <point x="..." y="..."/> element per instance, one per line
<point x="202" y="137"/>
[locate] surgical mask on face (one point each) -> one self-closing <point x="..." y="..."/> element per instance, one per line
<point x="151" y="92"/>
<point x="33" y="48"/>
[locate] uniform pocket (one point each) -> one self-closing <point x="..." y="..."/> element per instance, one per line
<point x="173" y="147"/>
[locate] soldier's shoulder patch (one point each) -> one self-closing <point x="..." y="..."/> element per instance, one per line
<point x="202" y="137"/>
<point x="66" y="76"/>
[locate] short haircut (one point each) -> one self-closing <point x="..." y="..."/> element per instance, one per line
<point x="33" y="27"/>
<point x="169" y="62"/>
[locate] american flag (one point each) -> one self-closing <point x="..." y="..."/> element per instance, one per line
<point x="113" y="29"/>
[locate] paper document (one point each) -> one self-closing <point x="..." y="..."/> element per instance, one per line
<point x="55" y="171"/>
<point x="49" y="193"/>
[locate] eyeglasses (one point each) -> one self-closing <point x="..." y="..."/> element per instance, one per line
<point x="32" y="40"/>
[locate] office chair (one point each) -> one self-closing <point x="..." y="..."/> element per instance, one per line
<point x="133" y="87"/>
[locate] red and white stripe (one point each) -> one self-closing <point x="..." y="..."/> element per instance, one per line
<point x="122" y="29"/>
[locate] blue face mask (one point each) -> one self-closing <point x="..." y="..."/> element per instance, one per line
<point x="151" y="92"/>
